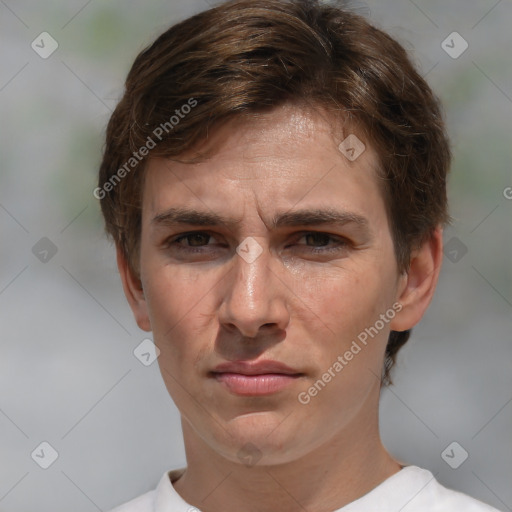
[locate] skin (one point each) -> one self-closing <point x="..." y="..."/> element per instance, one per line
<point x="293" y="304"/>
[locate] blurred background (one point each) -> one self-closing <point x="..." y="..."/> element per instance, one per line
<point x="68" y="373"/>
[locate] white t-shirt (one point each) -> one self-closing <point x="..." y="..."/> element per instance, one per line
<point x="412" y="489"/>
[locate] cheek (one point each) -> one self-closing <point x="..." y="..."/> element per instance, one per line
<point x="346" y="307"/>
<point x="181" y="307"/>
<point x="175" y="319"/>
<point x="346" y="300"/>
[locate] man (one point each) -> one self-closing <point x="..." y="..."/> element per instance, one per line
<point x="274" y="179"/>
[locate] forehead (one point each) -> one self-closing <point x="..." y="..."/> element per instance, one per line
<point x="278" y="160"/>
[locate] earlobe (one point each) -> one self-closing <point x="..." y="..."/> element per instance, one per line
<point x="133" y="291"/>
<point x="417" y="287"/>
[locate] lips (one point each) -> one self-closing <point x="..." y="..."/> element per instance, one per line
<point x="255" y="378"/>
<point x="255" y="368"/>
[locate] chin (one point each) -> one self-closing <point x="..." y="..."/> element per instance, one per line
<point x="262" y="438"/>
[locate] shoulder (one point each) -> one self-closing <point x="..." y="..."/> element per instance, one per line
<point x="433" y="496"/>
<point x="414" y="489"/>
<point x="164" y="497"/>
<point x="143" y="503"/>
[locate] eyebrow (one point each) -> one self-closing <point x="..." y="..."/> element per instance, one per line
<point x="305" y="217"/>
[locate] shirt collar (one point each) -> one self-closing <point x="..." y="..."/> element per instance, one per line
<point x="166" y="497"/>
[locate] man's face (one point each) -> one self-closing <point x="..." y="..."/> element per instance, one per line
<point x="298" y="293"/>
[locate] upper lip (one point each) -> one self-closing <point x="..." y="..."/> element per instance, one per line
<point x="255" y="368"/>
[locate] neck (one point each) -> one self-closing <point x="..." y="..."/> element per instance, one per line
<point x="336" y="473"/>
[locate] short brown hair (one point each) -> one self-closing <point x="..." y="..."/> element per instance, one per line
<point x="248" y="56"/>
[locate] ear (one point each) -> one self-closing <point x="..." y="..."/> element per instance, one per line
<point x="416" y="287"/>
<point x="132" y="287"/>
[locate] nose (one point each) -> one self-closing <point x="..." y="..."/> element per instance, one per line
<point x="254" y="299"/>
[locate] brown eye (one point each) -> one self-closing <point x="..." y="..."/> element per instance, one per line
<point x="195" y="243"/>
<point x="196" y="239"/>
<point x="321" y="239"/>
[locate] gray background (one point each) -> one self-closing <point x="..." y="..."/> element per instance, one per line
<point x="68" y="375"/>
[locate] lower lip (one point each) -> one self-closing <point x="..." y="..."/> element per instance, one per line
<point x="254" y="385"/>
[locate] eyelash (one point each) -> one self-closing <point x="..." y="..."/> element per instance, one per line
<point x="175" y="242"/>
